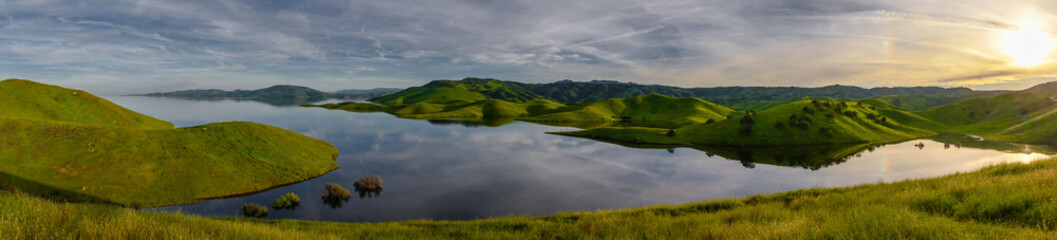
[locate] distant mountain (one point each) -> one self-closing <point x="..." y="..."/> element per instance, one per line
<point x="1046" y="89"/>
<point x="367" y="92"/>
<point x="572" y="92"/>
<point x="279" y="95"/>
<point x="277" y="91"/>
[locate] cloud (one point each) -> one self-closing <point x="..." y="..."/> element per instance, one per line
<point x="399" y="43"/>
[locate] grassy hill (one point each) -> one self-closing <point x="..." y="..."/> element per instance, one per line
<point x="647" y="110"/>
<point x="988" y="117"/>
<point x="925" y="111"/>
<point x="30" y="100"/>
<point x="574" y="93"/>
<point x="68" y="144"/>
<point x="1046" y="89"/>
<point x="451" y="92"/>
<point x="1010" y="201"/>
<point x="917" y="101"/>
<point x="796" y="123"/>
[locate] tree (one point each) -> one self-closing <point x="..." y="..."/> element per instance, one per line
<point x="254" y="210"/>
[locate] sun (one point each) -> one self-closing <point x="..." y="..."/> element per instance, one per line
<point x="1028" y="46"/>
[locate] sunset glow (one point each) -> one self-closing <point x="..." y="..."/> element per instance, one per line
<point x="1027" y="46"/>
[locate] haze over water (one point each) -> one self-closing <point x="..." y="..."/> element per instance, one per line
<point x="452" y="171"/>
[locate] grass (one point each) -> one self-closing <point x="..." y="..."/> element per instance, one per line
<point x="652" y="110"/>
<point x="825" y="126"/>
<point x="121" y="157"/>
<point x="1009" y="201"/>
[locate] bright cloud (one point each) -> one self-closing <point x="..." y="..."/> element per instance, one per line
<point x="145" y="45"/>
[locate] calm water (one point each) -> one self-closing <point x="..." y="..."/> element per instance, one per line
<point x="439" y="170"/>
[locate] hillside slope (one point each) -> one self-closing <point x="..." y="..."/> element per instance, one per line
<point x="31" y="100"/>
<point x="103" y="152"/>
<point x="647" y="110"/>
<point x="797" y="123"/>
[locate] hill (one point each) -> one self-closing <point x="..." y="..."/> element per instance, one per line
<point x="1046" y="89"/>
<point x="364" y="93"/>
<point x="277" y="91"/>
<point x="68" y="144"/>
<point x="648" y="110"/>
<point x="797" y="123"/>
<point x="466" y="90"/>
<point x="918" y="101"/>
<point x="572" y="92"/>
<point x="278" y="95"/>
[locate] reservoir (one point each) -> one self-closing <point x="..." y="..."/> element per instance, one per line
<point x="449" y="170"/>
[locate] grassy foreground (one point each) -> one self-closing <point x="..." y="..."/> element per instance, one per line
<point x="1010" y="201"/>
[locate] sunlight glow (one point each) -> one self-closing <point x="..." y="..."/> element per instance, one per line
<point x="1028" y="46"/>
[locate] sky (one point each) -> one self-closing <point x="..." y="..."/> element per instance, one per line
<point x="139" y="46"/>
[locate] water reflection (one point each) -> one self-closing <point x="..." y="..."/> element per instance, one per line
<point x="456" y="172"/>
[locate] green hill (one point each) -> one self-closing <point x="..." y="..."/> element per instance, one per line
<point x="797" y="123"/>
<point x="30" y="100"/>
<point x="917" y="101"/>
<point x="1046" y="89"/>
<point x="68" y="144"/>
<point x="572" y="92"/>
<point x="648" y="110"/>
<point x="983" y="116"/>
<point x="452" y="92"/>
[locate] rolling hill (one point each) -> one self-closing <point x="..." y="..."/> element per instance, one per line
<point x="573" y="93"/>
<point x="912" y="112"/>
<point x="653" y="110"/>
<point x="797" y="123"/>
<point x="69" y="144"/>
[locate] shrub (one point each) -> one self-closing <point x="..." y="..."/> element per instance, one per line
<point x="826" y="130"/>
<point x="851" y="113"/>
<point x="254" y="210"/>
<point x="748" y="119"/>
<point x="371" y="183"/>
<point x="671" y="133"/>
<point x="746" y="129"/>
<point x="805" y="118"/>
<point x="830" y="115"/>
<point x="809" y="110"/>
<point x="281" y="203"/>
<point x="710" y="121"/>
<point x="290" y="200"/>
<point x="780" y="124"/>
<point x="333" y="190"/>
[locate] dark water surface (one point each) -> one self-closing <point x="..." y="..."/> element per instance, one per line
<point x="445" y="170"/>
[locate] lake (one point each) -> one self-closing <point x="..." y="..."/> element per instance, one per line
<point x="446" y="170"/>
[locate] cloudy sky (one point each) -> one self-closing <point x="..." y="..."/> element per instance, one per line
<point x="118" y="47"/>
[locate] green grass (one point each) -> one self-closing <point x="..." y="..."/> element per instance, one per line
<point x="1010" y="201"/>
<point x="917" y="101"/>
<point x="25" y="99"/>
<point x="107" y="158"/>
<point x="652" y="110"/>
<point x="765" y="129"/>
